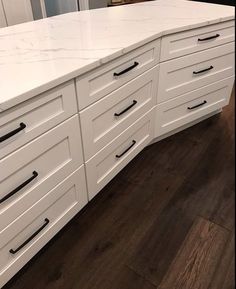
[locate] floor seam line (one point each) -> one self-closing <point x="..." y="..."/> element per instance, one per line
<point x="213" y="222"/>
<point x="143" y="277"/>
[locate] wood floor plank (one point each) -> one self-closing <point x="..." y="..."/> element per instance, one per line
<point x="126" y="279"/>
<point x="157" y="249"/>
<point x="230" y="277"/>
<point x="197" y="260"/>
<point x="224" y="275"/>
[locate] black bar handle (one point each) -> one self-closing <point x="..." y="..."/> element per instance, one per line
<point x="46" y="222"/>
<point x="203" y="70"/>
<point x="209" y="38"/>
<point x="133" y="143"/>
<point x="127" y="69"/>
<point x="195" y="106"/>
<point x="127" y="108"/>
<point x="13" y="192"/>
<point x="15" y="131"/>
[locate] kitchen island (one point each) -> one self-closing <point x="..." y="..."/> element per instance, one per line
<point x="82" y="94"/>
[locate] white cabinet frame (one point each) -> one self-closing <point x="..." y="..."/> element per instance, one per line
<point x="3" y="21"/>
<point x="83" y="4"/>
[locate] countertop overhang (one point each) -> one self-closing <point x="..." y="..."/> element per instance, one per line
<point x="37" y="56"/>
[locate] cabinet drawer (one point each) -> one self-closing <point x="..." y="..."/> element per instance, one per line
<point x="191" y="106"/>
<point x="32" y="118"/>
<point x="36" y="226"/>
<point x="195" y="40"/>
<point x="101" y="168"/>
<point x="110" y="116"/>
<point x="191" y="72"/>
<point x="101" y="81"/>
<point x="27" y="174"/>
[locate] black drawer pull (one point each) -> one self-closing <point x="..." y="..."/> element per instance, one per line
<point x="209" y="38"/>
<point x="13" y="192"/>
<point x="204" y="70"/>
<point x="133" y="143"/>
<point x="195" y="106"/>
<point x="46" y="222"/>
<point x="15" y="131"/>
<point x="127" y="69"/>
<point x="126" y="109"/>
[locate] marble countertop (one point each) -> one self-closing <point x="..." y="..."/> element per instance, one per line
<point x="39" y="55"/>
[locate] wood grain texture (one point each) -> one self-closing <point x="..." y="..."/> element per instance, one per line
<point x="224" y="275"/>
<point x="197" y="260"/>
<point x="133" y="231"/>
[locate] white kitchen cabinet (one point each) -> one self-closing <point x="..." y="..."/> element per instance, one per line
<point x="36" y="116"/>
<point x="101" y="168"/>
<point x="28" y="234"/>
<point x="107" y="118"/>
<point x="113" y="75"/>
<point x="17" y="11"/>
<point x="184" y="74"/>
<point x="193" y="105"/>
<point x="180" y="44"/>
<point x="3" y="21"/>
<point x="101" y="94"/>
<point x="14" y="12"/>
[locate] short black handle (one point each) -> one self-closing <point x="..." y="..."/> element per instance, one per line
<point x="15" y="131"/>
<point x="127" y="108"/>
<point x="209" y="38"/>
<point x="46" y="222"/>
<point x="195" y="106"/>
<point x="127" y="69"/>
<point x="133" y="143"/>
<point x="203" y="70"/>
<point x="13" y="192"/>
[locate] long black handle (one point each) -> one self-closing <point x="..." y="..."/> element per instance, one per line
<point x="195" y="106"/>
<point x="209" y="38"/>
<point x="127" y="69"/>
<point x="12" y="251"/>
<point x="133" y="143"/>
<point x="203" y="70"/>
<point x="13" y="192"/>
<point x="126" y="109"/>
<point x="15" y="131"/>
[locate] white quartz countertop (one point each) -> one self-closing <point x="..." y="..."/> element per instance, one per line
<point x="39" y="55"/>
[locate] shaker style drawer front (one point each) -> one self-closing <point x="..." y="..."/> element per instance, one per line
<point x="195" y="40"/>
<point x="36" y="116"/>
<point x="193" y="105"/>
<point x="109" y="161"/>
<point x="110" y="116"/>
<point x="30" y="172"/>
<point x="22" y="239"/>
<point x="191" y="72"/>
<point x="101" y="81"/>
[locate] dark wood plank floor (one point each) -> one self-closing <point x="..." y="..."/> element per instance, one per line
<point x="166" y="221"/>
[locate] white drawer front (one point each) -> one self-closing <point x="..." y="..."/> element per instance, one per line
<point x="185" y="74"/>
<point x="191" y="106"/>
<point x="50" y="214"/>
<point x="195" y="40"/>
<point x="36" y="116"/>
<point x="110" y="116"/>
<point x="53" y="156"/>
<point x="101" y="81"/>
<point x="109" y="161"/>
